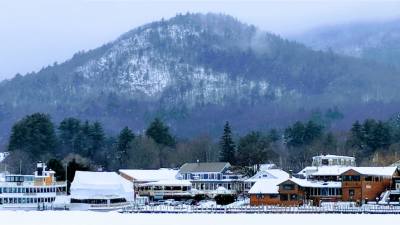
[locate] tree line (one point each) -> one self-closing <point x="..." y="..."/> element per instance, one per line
<point x="84" y="145"/>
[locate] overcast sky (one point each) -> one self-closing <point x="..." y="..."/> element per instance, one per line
<point x="36" y="33"/>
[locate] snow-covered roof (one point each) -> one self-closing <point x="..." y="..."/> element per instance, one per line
<point x="338" y="170"/>
<point x="204" y="167"/>
<point x="269" y="174"/>
<point x="314" y="183"/>
<point x="174" y="182"/>
<point x="324" y="170"/>
<point x="376" y="171"/>
<point x="96" y="184"/>
<point x="266" y="186"/>
<point x="266" y="182"/>
<point x="150" y="175"/>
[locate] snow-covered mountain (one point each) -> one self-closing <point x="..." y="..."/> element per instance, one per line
<point x="196" y="71"/>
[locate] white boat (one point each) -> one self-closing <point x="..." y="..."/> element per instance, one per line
<point x="31" y="192"/>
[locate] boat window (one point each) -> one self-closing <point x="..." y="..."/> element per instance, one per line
<point x="117" y="200"/>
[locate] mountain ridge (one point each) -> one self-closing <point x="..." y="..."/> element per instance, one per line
<point x="197" y="67"/>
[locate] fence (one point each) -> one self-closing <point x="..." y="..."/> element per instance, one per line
<point x="333" y="209"/>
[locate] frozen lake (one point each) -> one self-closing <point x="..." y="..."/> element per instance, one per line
<point x="114" y="218"/>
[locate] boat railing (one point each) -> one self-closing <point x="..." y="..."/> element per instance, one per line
<point x="31" y="184"/>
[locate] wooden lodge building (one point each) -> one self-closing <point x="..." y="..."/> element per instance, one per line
<point x="327" y="183"/>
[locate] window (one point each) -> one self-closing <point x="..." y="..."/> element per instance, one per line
<point x="284" y="197"/>
<point x="117" y="200"/>
<point x="368" y="178"/>
<point x="293" y="197"/>
<point x="273" y="195"/>
<point x="351" y="192"/>
<point x="351" y="178"/>
<point x="288" y="186"/>
<point x="324" y="191"/>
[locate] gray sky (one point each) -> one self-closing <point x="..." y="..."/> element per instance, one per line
<point x="36" y="33"/>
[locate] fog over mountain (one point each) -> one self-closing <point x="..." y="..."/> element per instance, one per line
<point x="376" y="41"/>
<point x="198" y="70"/>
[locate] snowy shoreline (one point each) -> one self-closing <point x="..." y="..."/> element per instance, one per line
<point x="114" y="218"/>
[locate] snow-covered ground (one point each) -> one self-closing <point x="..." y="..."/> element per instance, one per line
<point x="114" y="218"/>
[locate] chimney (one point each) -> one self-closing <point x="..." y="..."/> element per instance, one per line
<point x="290" y="173"/>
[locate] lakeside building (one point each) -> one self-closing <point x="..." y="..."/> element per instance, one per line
<point x="31" y="191"/>
<point x="265" y="175"/>
<point x="157" y="184"/>
<point x="265" y="171"/>
<point x="206" y="178"/>
<point x="166" y="189"/>
<point x="99" y="191"/>
<point x="264" y="189"/>
<point x="332" y="178"/>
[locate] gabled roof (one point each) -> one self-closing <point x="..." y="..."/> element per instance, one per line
<point x="375" y="171"/>
<point x="211" y="167"/>
<point x="313" y="183"/>
<point x="269" y="174"/>
<point x="150" y="175"/>
<point x="266" y="186"/>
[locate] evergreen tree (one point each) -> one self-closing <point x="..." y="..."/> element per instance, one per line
<point x="273" y="135"/>
<point x="356" y="136"/>
<point x="97" y="140"/>
<point x="254" y="149"/>
<point x="159" y="132"/>
<point x="313" y="131"/>
<point x="329" y="143"/>
<point x="125" y="140"/>
<point x="83" y="141"/>
<point x="294" y="135"/>
<point x="69" y="130"/>
<point x="227" y="146"/>
<point x="57" y="166"/>
<point x="35" y="135"/>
